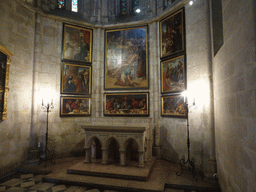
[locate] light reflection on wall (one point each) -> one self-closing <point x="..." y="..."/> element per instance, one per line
<point x="46" y="96"/>
<point x="199" y="92"/>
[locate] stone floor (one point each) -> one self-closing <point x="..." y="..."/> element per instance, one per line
<point x="38" y="178"/>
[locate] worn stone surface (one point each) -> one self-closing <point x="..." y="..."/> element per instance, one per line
<point x="234" y="72"/>
<point x="18" y="38"/>
<point x="36" y="42"/>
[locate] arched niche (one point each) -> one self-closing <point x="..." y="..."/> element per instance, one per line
<point x="5" y="60"/>
<point x="132" y="150"/>
<point x="113" y="150"/>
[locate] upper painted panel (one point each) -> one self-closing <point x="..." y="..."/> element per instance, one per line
<point x="126" y="58"/>
<point x="172" y="34"/>
<point x="77" y="43"/>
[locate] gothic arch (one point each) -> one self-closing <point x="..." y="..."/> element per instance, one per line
<point x="89" y="141"/>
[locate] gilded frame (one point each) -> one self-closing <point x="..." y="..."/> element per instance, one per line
<point x="172" y="34"/>
<point x="126" y="104"/>
<point x="173" y="106"/>
<point x="75" y="106"/>
<point x="126" y="58"/>
<point x="77" y="43"/>
<point x="173" y="75"/>
<point x="5" y="61"/>
<point x="76" y="79"/>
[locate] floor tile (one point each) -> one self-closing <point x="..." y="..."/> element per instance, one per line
<point x="15" y="189"/>
<point x="26" y="176"/>
<point x="37" y="178"/>
<point x="42" y="186"/>
<point x="80" y="189"/>
<point x="109" y="191"/>
<point x="27" y="184"/>
<point x="13" y="182"/>
<point x="93" y="190"/>
<point x="72" y="189"/>
<point x="58" y="188"/>
<point x="173" y="190"/>
<point x="2" y="188"/>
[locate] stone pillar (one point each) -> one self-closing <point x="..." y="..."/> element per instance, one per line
<point x="88" y="155"/>
<point x="33" y="147"/>
<point x="211" y="166"/>
<point x="154" y="72"/>
<point x="93" y="152"/>
<point x="122" y="157"/>
<point x="104" y="156"/>
<point x="141" y="159"/>
<point x="104" y="11"/>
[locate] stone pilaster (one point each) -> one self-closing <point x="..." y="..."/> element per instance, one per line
<point x="87" y="155"/>
<point x="104" y="156"/>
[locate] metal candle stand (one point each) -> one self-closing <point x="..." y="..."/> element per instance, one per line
<point x="190" y="162"/>
<point x="47" y="154"/>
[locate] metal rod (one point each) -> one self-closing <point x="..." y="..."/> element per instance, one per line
<point x="191" y="162"/>
<point x="47" y="154"/>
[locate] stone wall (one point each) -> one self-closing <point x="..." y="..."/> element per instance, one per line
<point x="200" y="117"/>
<point x="17" y="35"/>
<point x="235" y="98"/>
<point x="35" y="39"/>
<point x="65" y="134"/>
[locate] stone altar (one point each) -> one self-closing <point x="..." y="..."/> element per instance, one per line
<point x="141" y="135"/>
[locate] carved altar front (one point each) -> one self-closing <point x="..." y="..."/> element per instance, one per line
<point x="122" y="135"/>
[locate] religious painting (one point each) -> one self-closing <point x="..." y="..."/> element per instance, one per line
<point x="75" y="79"/>
<point x="5" y="59"/>
<point x="172" y="34"/>
<point x="126" y="104"/>
<point x="173" y="106"/>
<point x="3" y="63"/>
<point x="75" y="106"/>
<point x="1" y="101"/>
<point x="126" y="58"/>
<point x="173" y="75"/>
<point x="77" y="43"/>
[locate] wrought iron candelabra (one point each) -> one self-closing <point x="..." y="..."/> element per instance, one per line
<point x="47" y="154"/>
<point x="190" y="161"/>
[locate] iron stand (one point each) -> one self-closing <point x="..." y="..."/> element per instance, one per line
<point x="47" y="154"/>
<point x="190" y="161"/>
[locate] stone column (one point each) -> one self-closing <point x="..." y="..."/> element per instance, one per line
<point x="154" y="58"/>
<point x="104" y="11"/>
<point x="33" y="149"/>
<point x="93" y="152"/>
<point x="104" y="156"/>
<point x="88" y="155"/>
<point x="122" y="157"/>
<point x="211" y="167"/>
<point x="141" y="159"/>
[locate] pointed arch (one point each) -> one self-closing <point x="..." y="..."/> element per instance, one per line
<point x="113" y="147"/>
<point x="89" y="141"/>
<point x="131" y="147"/>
